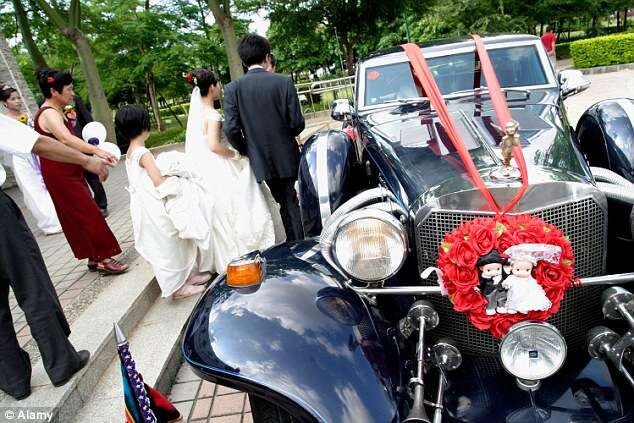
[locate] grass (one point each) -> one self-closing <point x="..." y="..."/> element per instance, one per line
<point x="171" y="135"/>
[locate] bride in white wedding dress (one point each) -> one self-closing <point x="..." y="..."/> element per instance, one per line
<point x="245" y="216"/>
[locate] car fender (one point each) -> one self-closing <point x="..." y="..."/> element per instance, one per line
<point x="606" y="135"/>
<point x="324" y="177"/>
<point x="298" y="339"/>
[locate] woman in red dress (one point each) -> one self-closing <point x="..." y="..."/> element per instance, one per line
<point x="84" y="227"/>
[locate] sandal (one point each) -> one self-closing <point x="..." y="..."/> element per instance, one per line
<point x="187" y="291"/>
<point x="111" y="267"/>
<point x="198" y="278"/>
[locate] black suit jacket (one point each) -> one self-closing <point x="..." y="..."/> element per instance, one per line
<point x="262" y="118"/>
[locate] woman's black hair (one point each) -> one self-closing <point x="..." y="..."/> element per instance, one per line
<point x="5" y="92"/>
<point x="51" y="78"/>
<point x="130" y="122"/>
<point x="203" y="79"/>
<point x="253" y="49"/>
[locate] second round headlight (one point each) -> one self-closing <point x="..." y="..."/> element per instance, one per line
<point x="370" y="245"/>
<point x="532" y="350"/>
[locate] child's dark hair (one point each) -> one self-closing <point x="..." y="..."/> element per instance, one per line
<point x="51" y="78"/>
<point x="203" y="79"/>
<point x="130" y="122"/>
<point x="6" y="91"/>
<point x="253" y="49"/>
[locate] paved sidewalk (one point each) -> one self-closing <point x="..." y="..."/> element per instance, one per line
<point x="205" y="402"/>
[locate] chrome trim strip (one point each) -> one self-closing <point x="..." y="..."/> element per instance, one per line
<point x="614" y="279"/>
<point x="323" y="190"/>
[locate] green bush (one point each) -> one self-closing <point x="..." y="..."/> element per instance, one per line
<point x="562" y="50"/>
<point x="171" y="135"/>
<point x="603" y="51"/>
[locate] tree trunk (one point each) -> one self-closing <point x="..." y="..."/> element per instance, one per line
<point x="151" y="89"/>
<point x="101" y="110"/>
<point x="625" y="20"/>
<point x="618" y="19"/>
<point x="27" y="36"/>
<point x="594" y="25"/>
<point x="541" y="29"/>
<point x="225" y="21"/>
<point x="345" y="43"/>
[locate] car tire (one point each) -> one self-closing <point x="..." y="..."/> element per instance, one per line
<point x="264" y="411"/>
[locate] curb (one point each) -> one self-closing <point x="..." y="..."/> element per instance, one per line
<point x="606" y="69"/>
<point x="126" y="300"/>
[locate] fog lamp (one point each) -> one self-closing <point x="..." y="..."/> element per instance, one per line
<point x="370" y="245"/>
<point x="245" y="271"/>
<point x="532" y="350"/>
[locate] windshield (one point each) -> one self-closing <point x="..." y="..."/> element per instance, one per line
<point x="514" y="66"/>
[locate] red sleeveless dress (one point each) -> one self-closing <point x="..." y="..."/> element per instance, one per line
<point x="84" y="227"/>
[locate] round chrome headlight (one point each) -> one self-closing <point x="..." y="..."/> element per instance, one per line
<point x="370" y="245"/>
<point x="532" y="350"/>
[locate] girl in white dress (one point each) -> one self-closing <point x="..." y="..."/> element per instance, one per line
<point x="174" y="260"/>
<point x="26" y="168"/>
<point x="245" y="216"/>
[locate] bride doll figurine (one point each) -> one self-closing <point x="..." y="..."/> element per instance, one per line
<point x="524" y="293"/>
<point x="245" y="216"/>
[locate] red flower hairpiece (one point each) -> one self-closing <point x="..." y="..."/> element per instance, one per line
<point x="190" y="77"/>
<point x="50" y="79"/>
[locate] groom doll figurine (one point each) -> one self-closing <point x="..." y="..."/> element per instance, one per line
<point x="262" y="119"/>
<point x="491" y="268"/>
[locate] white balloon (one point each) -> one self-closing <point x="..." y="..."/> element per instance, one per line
<point x="94" y="130"/>
<point x="112" y="149"/>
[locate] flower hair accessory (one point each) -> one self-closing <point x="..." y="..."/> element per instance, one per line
<point x="189" y="77"/>
<point x="50" y="80"/>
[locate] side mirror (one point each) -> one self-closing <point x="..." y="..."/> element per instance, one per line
<point x="341" y="110"/>
<point x="572" y="82"/>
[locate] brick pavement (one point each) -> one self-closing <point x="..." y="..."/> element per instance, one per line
<point x="205" y="402"/>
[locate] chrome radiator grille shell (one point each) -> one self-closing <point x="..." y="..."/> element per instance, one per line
<point x="583" y="220"/>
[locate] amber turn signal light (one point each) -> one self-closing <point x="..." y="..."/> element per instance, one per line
<point x="245" y="272"/>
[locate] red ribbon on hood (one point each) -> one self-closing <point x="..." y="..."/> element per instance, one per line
<point x="426" y="79"/>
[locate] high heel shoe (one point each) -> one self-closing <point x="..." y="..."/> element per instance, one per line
<point x="187" y="291"/>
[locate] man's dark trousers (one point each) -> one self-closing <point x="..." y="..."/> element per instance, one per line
<point x="283" y="191"/>
<point x="22" y="268"/>
<point x="98" y="191"/>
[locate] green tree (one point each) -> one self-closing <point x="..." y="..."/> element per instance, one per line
<point x="68" y="23"/>
<point x="27" y="36"/>
<point x="224" y="19"/>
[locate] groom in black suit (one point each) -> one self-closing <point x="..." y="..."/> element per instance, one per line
<point x="262" y="119"/>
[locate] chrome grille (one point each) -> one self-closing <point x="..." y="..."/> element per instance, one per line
<point x="583" y="221"/>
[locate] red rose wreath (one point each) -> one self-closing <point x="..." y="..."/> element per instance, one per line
<point x="460" y="250"/>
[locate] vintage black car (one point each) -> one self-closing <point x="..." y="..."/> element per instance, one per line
<point x="340" y="327"/>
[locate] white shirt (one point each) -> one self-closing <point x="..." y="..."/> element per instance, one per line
<point x="15" y="138"/>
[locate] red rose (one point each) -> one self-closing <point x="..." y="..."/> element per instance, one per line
<point x="505" y="241"/>
<point x="464" y="254"/>
<point x="50" y="79"/>
<point x="483" y="239"/>
<point x="529" y="235"/>
<point x="465" y="277"/>
<point x="552" y="276"/>
<point x="480" y="319"/>
<point x="503" y="322"/>
<point x="469" y="300"/>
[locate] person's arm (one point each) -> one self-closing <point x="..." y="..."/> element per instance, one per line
<point x="54" y="123"/>
<point x="148" y="163"/>
<point x="212" y="128"/>
<point x="51" y="149"/>
<point x="295" y="117"/>
<point x="233" y="124"/>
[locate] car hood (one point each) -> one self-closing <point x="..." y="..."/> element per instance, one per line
<point x="414" y="154"/>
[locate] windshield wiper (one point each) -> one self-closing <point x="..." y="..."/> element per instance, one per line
<point x="462" y="93"/>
